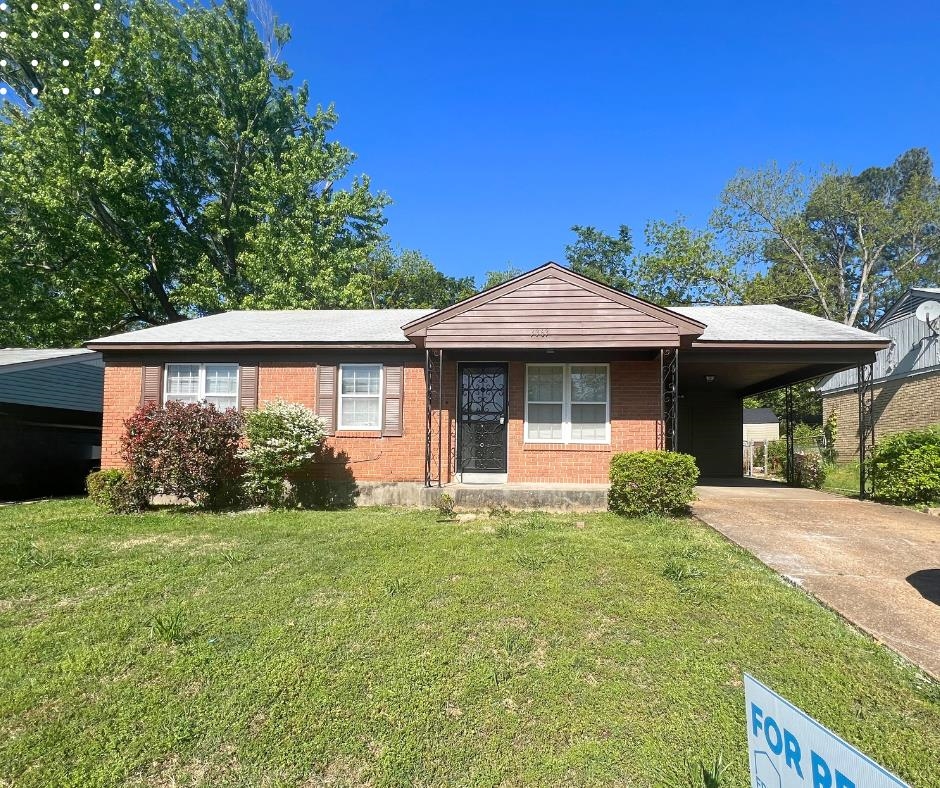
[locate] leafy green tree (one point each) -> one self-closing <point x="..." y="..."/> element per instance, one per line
<point x="603" y="257"/>
<point x="840" y="245"/>
<point x="197" y="180"/>
<point x="494" y="278"/>
<point x="406" y="279"/>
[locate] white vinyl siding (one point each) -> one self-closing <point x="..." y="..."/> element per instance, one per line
<point x="567" y="403"/>
<point x="360" y="397"/>
<point x="213" y="383"/>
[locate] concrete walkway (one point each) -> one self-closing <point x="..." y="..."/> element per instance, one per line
<point x="879" y="566"/>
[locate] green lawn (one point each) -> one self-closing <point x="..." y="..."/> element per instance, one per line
<point x="842" y="479"/>
<point x="382" y="647"/>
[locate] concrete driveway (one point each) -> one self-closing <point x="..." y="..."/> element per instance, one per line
<point x="879" y="566"/>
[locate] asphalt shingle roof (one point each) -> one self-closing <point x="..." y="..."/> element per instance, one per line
<point x="20" y="355"/>
<point x="769" y="323"/>
<point x="764" y="323"/>
<point x="273" y="326"/>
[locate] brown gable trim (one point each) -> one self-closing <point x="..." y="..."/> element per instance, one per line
<point x="686" y="325"/>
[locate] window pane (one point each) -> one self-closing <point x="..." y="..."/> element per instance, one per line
<point x="544" y="422"/>
<point x="545" y="384"/>
<point x="589" y="422"/>
<point x="222" y="380"/>
<point x="361" y="380"/>
<point x="182" y="379"/>
<point x="589" y="384"/>
<point x="359" y="412"/>
<point x="223" y="403"/>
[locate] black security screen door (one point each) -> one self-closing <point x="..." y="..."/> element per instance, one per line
<point x="481" y="439"/>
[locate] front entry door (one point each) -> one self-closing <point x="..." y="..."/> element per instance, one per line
<point x="481" y="439"/>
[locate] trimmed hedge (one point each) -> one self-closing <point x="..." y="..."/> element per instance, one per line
<point x="906" y="467"/>
<point x="652" y="482"/>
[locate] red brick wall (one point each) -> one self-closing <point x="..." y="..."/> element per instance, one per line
<point x="634" y="416"/>
<point x="121" y="397"/>
<point x="635" y="410"/>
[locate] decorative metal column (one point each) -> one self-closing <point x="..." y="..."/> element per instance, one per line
<point x="791" y="453"/>
<point x="866" y="427"/>
<point x="669" y="389"/>
<point x="434" y="417"/>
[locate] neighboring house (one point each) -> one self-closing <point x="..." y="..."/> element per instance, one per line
<point x="540" y="379"/>
<point x="906" y="377"/>
<point x="50" y="420"/>
<point x="760" y="424"/>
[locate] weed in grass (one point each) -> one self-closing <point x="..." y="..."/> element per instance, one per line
<point x="500" y="510"/>
<point x="235" y="556"/>
<point x="528" y="560"/>
<point x="169" y="628"/>
<point x="700" y="773"/>
<point x="29" y="555"/>
<point x="507" y="530"/>
<point x="396" y="586"/>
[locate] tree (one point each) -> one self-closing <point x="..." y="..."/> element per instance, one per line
<point x="494" y="278"/>
<point x="196" y="181"/>
<point x="840" y="245"/>
<point x="600" y="256"/>
<point x="405" y="279"/>
<point x="678" y="266"/>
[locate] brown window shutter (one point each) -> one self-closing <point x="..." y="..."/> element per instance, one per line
<point x="392" y="401"/>
<point x="247" y="388"/>
<point x="326" y="398"/>
<point x="151" y="384"/>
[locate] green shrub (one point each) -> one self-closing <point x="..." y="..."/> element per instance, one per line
<point x="810" y="470"/>
<point x="777" y="458"/>
<point x="652" y="482"/>
<point x="905" y="467"/>
<point x="114" y="491"/>
<point x="282" y="441"/>
<point x="187" y="451"/>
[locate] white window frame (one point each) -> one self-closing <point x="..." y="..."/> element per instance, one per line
<point x="340" y="397"/>
<point x="201" y="394"/>
<point x="566" y="406"/>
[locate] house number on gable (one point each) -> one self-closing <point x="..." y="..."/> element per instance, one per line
<point x="538" y="333"/>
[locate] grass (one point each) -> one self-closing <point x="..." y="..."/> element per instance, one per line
<point x="842" y="478"/>
<point x="387" y="648"/>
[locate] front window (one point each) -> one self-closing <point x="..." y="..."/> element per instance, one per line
<point x="567" y="403"/>
<point x="215" y="383"/>
<point x="360" y="397"/>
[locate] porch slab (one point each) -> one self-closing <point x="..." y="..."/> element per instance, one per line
<point x="469" y="497"/>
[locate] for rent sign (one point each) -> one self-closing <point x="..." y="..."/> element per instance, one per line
<point x="789" y="749"/>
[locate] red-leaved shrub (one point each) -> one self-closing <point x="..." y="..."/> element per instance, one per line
<point x="189" y="451"/>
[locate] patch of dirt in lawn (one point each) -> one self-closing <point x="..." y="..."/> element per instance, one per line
<point x="341" y="772"/>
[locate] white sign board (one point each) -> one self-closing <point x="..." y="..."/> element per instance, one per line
<point x="789" y="749"/>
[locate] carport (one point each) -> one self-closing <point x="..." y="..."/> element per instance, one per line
<point x="749" y="350"/>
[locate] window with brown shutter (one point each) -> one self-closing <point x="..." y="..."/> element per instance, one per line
<point x="326" y="397"/>
<point x="151" y="384"/>
<point x="247" y="388"/>
<point x="392" y="423"/>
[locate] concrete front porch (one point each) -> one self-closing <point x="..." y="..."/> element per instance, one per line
<point x="545" y="497"/>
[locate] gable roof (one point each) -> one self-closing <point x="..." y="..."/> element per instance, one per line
<point x="908" y="303"/>
<point x="760" y="416"/>
<point x="552" y="270"/>
<point x="260" y="328"/>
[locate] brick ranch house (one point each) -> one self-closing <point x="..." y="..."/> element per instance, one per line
<point x="905" y="379"/>
<point x="538" y="380"/>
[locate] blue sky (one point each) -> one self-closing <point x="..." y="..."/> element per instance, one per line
<point x="494" y="127"/>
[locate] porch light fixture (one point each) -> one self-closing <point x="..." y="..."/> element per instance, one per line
<point x="709" y="378"/>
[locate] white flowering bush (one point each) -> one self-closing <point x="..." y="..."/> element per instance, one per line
<point x="281" y="441"/>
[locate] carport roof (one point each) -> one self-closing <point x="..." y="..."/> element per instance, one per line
<point x="770" y="323"/>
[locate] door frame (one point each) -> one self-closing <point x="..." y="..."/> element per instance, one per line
<point x="478" y="477"/>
